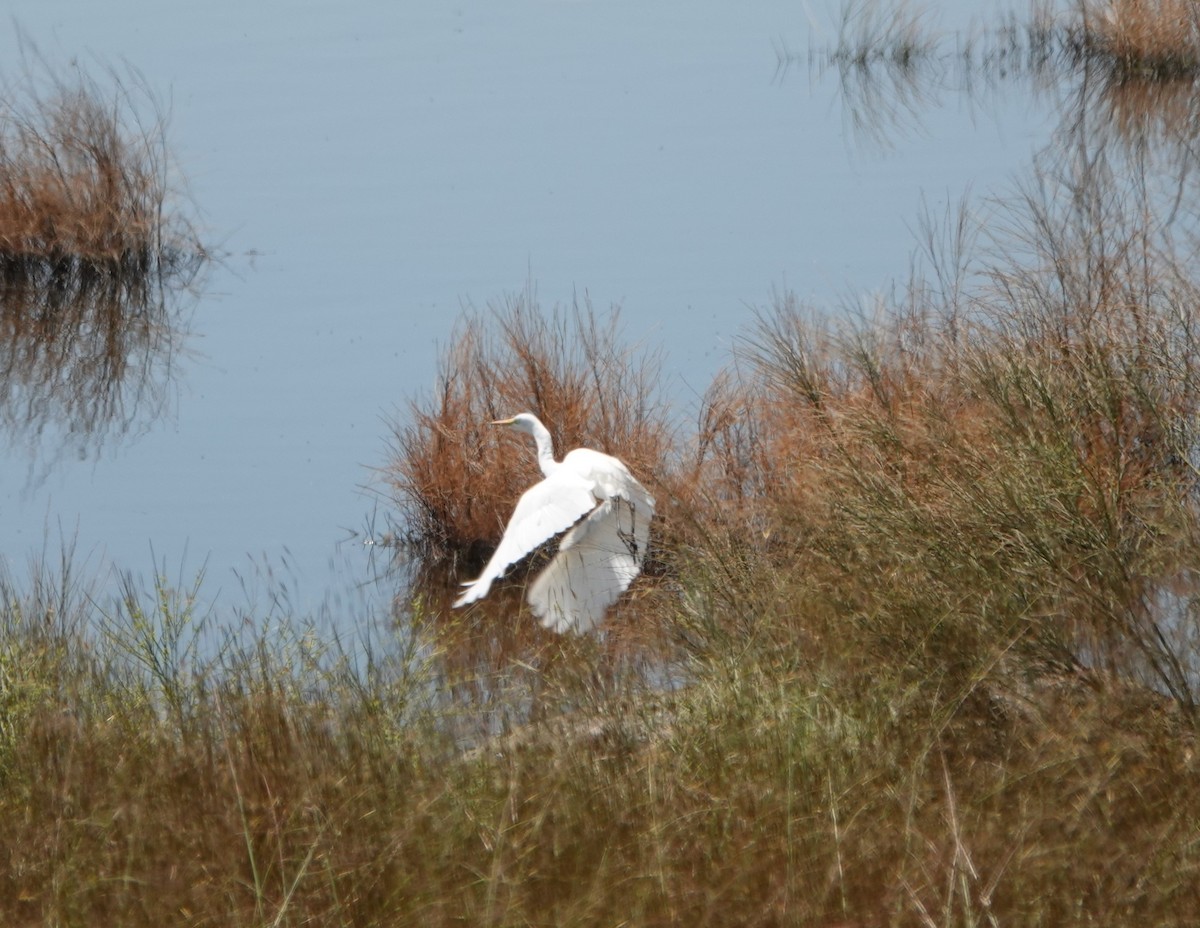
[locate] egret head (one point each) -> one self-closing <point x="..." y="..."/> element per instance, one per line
<point x="525" y="422"/>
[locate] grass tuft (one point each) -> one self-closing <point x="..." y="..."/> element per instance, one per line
<point x="1158" y="39"/>
<point x="85" y="177"/>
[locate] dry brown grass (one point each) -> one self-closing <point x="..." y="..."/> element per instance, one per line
<point x="84" y="175"/>
<point x="920" y="581"/>
<point x="457" y="477"/>
<point x="975" y="477"/>
<point x="1158" y="38"/>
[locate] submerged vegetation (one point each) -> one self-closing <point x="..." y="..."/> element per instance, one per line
<point x="920" y="644"/>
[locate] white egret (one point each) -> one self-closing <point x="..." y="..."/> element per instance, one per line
<point x="608" y="516"/>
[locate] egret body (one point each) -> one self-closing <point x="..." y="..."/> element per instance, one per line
<point x="605" y="513"/>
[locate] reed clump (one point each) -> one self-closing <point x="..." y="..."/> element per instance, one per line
<point x="999" y="482"/>
<point x="85" y="178"/>
<point x="97" y="256"/>
<point x="457" y="478"/>
<point x="1141" y="38"/>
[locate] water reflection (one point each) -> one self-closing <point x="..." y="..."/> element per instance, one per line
<point x="87" y="355"/>
<point x="1128" y="141"/>
<point x="893" y="69"/>
<point x="493" y="669"/>
<point x="888" y="68"/>
<point x="1142" y="113"/>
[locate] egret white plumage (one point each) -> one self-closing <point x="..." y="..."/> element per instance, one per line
<point x="606" y="515"/>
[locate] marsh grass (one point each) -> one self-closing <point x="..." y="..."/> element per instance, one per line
<point x="1005" y="466"/>
<point x="932" y="577"/>
<point x="85" y="175"/>
<point x="896" y="33"/>
<point x="777" y="786"/>
<point x="457" y="477"/>
<point x="920" y="647"/>
<point x="1157" y="39"/>
<point x="1135" y="39"/>
<point x="1128" y="68"/>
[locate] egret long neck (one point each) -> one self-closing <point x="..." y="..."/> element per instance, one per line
<point x="545" y="448"/>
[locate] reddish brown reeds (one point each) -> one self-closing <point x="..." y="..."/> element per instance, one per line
<point x="1013" y="472"/>
<point x="85" y="176"/>
<point x="457" y="477"/>
<point x="1154" y="38"/>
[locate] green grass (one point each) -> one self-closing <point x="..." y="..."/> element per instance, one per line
<point x="272" y="786"/>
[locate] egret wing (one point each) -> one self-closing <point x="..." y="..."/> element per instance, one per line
<point x="544" y="510"/>
<point x="595" y="563"/>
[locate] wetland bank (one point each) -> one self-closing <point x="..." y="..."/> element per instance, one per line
<point x="916" y="643"/>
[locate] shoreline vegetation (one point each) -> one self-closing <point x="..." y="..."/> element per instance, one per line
<point x="919" y="643"/>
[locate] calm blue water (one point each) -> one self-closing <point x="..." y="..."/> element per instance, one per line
<point x="368" y="168"/>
